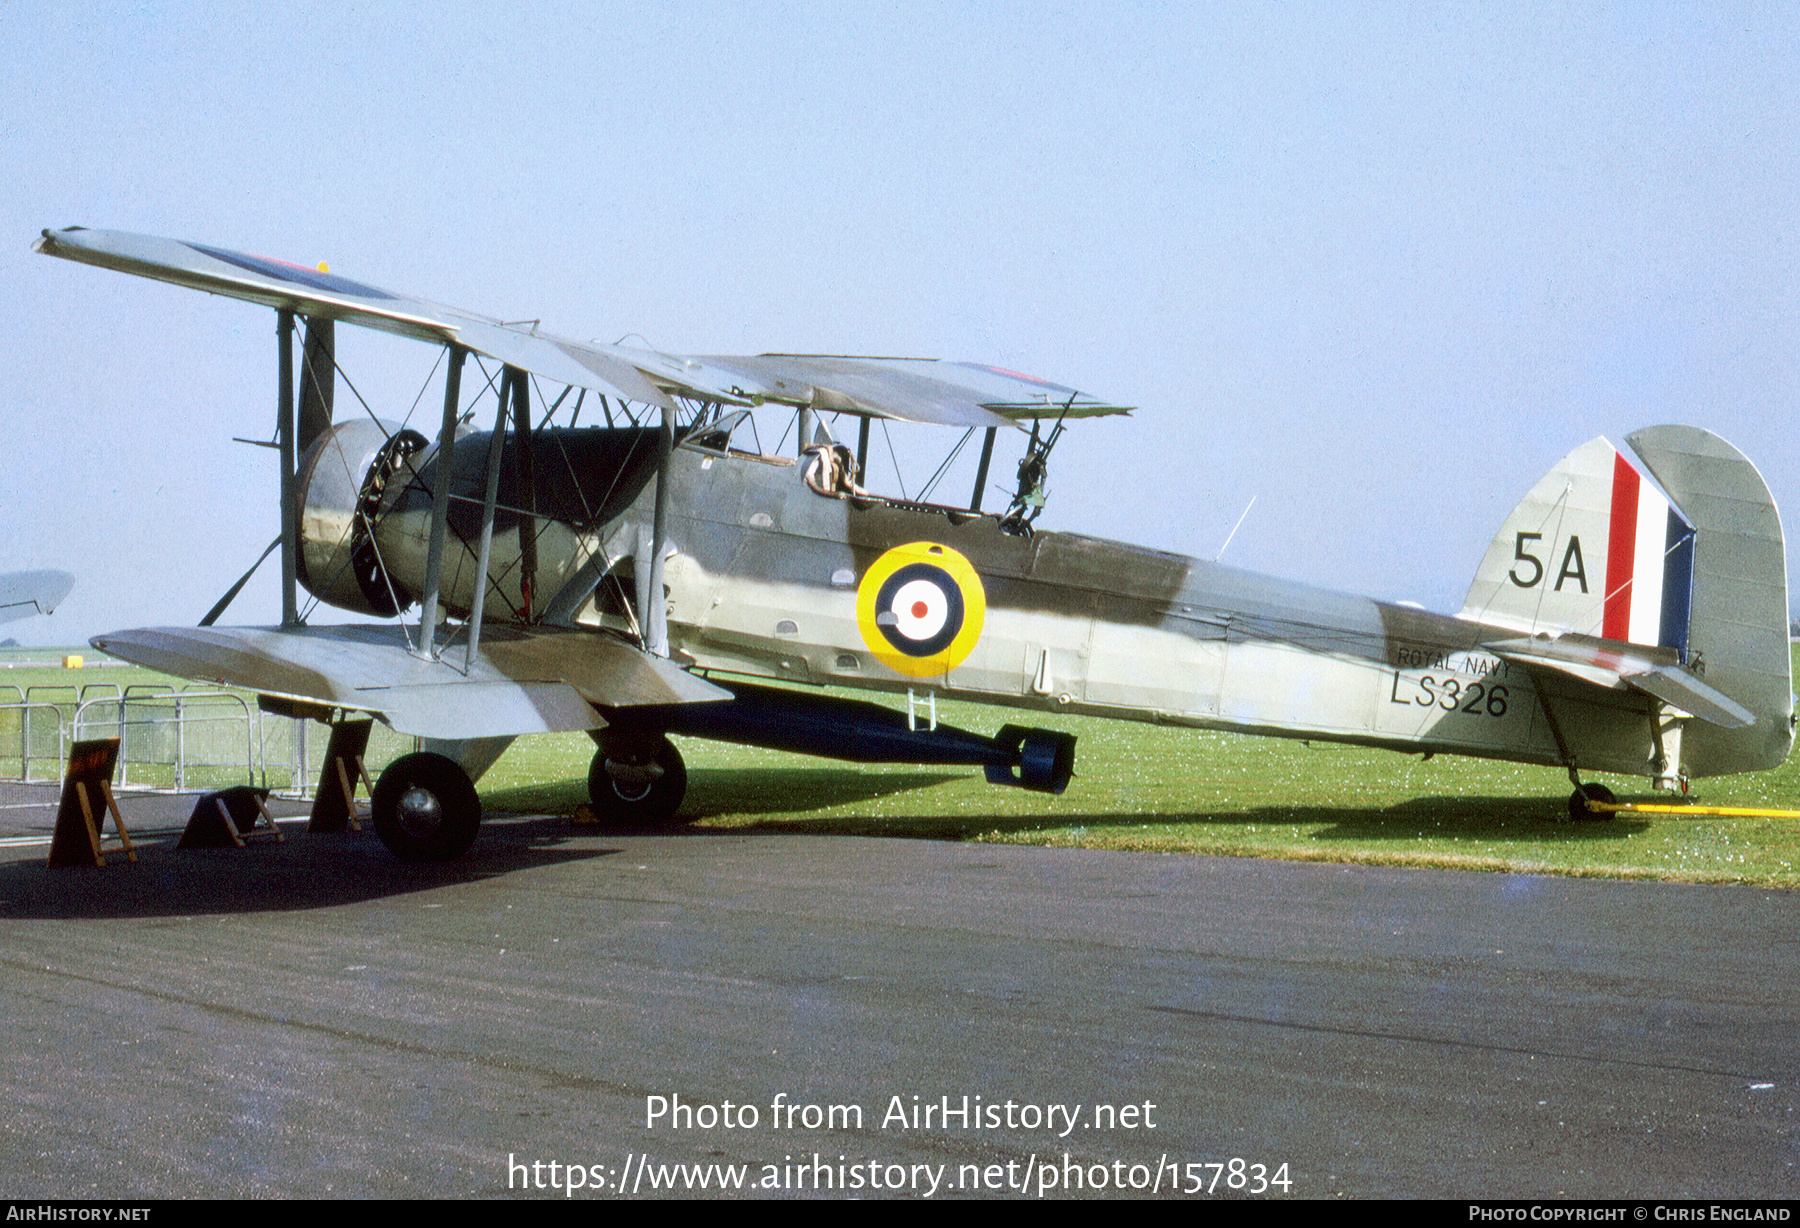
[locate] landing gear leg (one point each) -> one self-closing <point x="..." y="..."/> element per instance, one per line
<point x="637" y="783"/>
<point x="1578" y="800"/>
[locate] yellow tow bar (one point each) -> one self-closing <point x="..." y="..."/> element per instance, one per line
<point x="1735" y="812"/>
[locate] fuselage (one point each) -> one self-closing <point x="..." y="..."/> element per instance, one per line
<point x="763" y="575"/>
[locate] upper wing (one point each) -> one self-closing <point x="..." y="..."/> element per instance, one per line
<point x="312" y="292"/>
<point x="911" y="389"/>
<point x="541" y="681"/>
<point x="916" y="390"/>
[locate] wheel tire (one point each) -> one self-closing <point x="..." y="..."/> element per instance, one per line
<point x="1579" y="799"/>
<point x="426" y="809"/>
<point x="652" y="803"/>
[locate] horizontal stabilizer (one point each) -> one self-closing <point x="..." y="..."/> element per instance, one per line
<point x="520" y="682"/>
<point x="1616" y="666"/>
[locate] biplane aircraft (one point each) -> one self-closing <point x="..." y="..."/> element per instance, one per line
<point x="652" y="575"/>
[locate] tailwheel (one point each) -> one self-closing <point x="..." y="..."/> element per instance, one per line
<point x="1579" y="799"/>
<point x="426" y="808"/>
<point x="638" y="786"/>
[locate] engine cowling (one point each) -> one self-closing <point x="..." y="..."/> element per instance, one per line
<point x="342" y="481"/>
<point x="366" y="509"/>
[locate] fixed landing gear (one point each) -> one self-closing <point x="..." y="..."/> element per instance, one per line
<point x="639" y="784"/>
<point x="1583" y="794"/>
<point x="425" y="808"/>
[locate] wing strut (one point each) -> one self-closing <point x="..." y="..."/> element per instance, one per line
<point x="212" y="615"/>
<point x="653" y="609"/>
<point x="496" y="444"/>
<point x="440" y="504"/>
<point x="981" y="471"/>
<point x="528" y="560"/>
<point x="318" y="378"/>
<point x="284" y="431"/>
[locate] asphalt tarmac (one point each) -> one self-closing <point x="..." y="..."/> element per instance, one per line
<point x="811" y="1014"/>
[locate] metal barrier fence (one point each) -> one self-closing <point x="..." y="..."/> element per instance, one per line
<point x="169" y="739"/>
<point x="178" y="740"/>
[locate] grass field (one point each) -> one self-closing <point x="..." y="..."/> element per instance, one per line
<point x="1152" y="788"/>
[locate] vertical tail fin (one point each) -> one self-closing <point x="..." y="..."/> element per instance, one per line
<point x="1598" y="548"/>
<point x="1677" y="544"/>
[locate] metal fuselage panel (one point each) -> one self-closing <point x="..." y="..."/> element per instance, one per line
<point x="764" y="574"/>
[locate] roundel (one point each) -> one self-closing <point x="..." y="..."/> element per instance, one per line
<point x="920" y="608"/>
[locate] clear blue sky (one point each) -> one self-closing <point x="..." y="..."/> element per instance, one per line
<point x="1379" y="267"/>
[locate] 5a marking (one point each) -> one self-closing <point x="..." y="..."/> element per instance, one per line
<point x="1450" y="694"/>
<point x="1573" y="567"/>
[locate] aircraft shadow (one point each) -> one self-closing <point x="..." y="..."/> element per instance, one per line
<point x="312" y="872"/>
<point x="1535" y="820"/>
<point x="304" y="872"/>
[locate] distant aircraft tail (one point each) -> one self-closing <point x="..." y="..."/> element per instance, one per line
<point x="1676" y="544"/>
<point x="24" y="593"/>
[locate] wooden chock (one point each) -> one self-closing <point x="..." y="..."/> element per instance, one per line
<point x="334" y="804"/>
<point x="77" y="840"/>
<point x="227" y="818"/>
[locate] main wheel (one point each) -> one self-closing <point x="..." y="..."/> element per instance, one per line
<point x="426" y="809"/>
<point x="638" y="790"/>
<point x="1579" y="799"/>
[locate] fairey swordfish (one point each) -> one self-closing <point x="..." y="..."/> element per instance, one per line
<point x="651" y="574"/>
